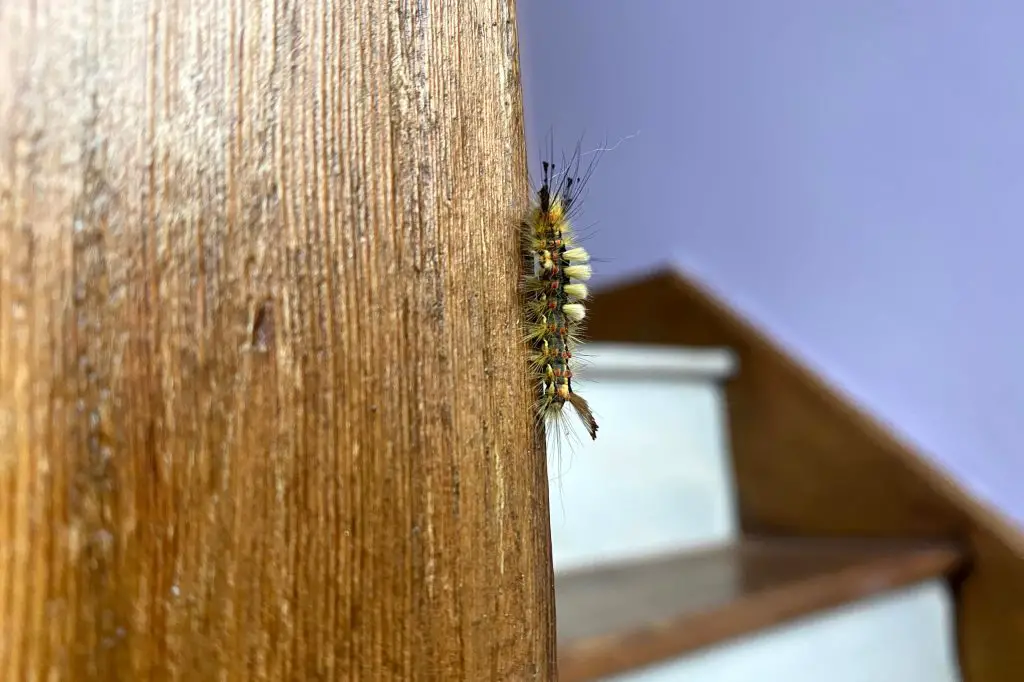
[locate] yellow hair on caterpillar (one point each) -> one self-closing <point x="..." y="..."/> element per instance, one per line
<point x="576" y="255"/>
<point x="577" y="290"/>
<point x="556" y="268"/>
<point x="574" y="311"/>
<point x="580" y="272"/>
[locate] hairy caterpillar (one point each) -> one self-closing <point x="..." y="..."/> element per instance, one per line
<point x="556" y="269"/>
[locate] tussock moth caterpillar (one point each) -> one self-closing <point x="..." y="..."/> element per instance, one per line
<point x="556" y="271"/>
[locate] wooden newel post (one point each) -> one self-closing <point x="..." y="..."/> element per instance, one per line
<point x="264" y="411"/>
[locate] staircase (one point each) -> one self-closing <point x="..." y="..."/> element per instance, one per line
<point x="656" y="582"/>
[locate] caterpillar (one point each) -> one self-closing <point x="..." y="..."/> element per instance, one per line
<point x="556" y="271"/>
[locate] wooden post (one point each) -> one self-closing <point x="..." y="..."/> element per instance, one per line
<point x="264" y="411"/>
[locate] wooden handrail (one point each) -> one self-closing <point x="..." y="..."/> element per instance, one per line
<point x="264" y="410"/>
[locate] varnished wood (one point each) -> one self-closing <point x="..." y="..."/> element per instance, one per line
<point x="264" y="411"/>
<point x="614" y="619"/>
<point x="807" y="461"/>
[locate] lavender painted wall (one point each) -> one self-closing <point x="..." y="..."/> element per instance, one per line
<point x="849" y="174"/>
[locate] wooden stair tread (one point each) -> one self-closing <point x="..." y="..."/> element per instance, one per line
<point x="617" y="618"/>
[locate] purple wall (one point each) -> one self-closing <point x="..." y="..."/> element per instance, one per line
<point x="849" y="174"/>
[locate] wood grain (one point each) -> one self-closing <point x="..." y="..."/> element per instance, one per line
<point x="617" y="618"/>
<point x="808" y="461"/>
<point x="263" y="404"/>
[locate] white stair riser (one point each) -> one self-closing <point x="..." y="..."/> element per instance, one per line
<point x="658" y="477"/>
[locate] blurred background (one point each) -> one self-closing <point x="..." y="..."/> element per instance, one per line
<point x="847" y="174"/>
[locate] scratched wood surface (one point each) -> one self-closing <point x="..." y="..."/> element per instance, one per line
<point x="263" y="406"/>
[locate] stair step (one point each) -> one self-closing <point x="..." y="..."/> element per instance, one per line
<point x="625" y="616"/>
